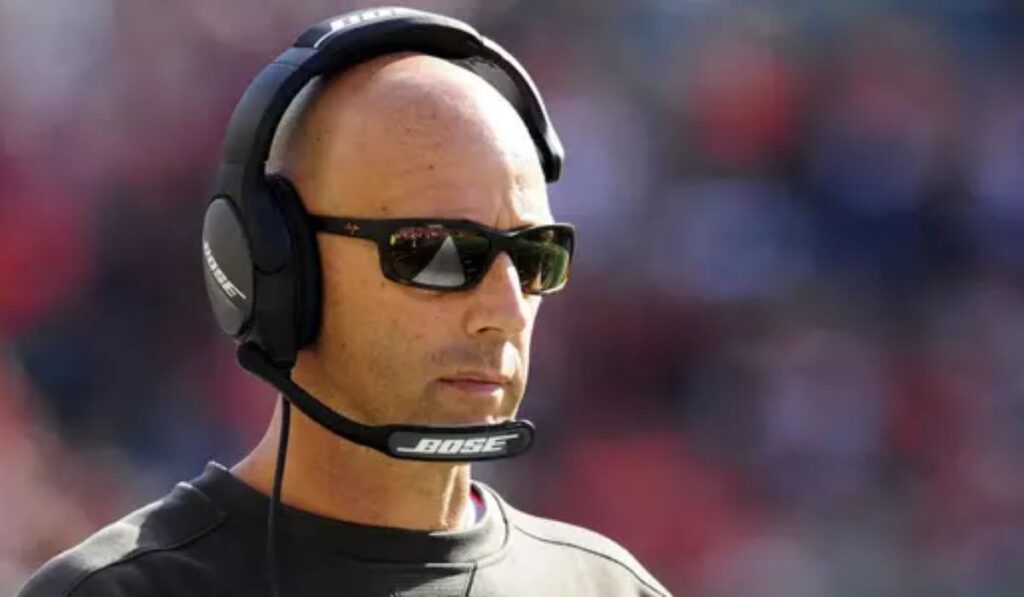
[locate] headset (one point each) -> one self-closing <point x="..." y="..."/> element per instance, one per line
<point x="261" y="259"/>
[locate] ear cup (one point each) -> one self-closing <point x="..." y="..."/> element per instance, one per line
<point x="228" y="267"/>
<point x="306" y="255"/>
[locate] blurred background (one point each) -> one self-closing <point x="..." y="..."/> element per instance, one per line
<point x="791" y="359"/>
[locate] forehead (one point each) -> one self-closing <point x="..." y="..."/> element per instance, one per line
<point x="497" y="193"/>
<point x="420" y="137"/>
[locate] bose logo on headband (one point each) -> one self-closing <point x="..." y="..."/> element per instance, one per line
<point x="226" y="285"/>
<point x="363" y="16"/>
<point x="475" y="445"/>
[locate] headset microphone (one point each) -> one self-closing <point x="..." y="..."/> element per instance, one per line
<point x="410" y="442"/>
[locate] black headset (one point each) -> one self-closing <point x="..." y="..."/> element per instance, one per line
<point x="261" y="260"/>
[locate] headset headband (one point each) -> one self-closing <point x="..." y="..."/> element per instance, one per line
<point x="334" y="45"/>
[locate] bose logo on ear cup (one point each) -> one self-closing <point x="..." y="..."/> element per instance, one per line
<point x="226" y="285"/>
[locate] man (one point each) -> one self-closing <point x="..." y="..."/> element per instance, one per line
<point x="398" y="136"/>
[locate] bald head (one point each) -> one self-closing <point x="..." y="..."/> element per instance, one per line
<point x="386" y="136"/>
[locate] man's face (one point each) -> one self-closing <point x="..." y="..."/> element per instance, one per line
<point x="419" y="138"/>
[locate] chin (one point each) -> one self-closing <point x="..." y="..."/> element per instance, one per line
<point x="466" y="415"/>
<point x="454" y="408"/>
<point x="461" y="419"/>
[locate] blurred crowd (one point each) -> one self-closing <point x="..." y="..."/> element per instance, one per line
<point x="791" y="359"/>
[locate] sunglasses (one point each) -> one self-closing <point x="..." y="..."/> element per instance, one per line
<point x="451" y="255"/>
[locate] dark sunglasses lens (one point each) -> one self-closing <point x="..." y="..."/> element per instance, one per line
<point x="437" y="256"/>
<point x="542" y="258"/>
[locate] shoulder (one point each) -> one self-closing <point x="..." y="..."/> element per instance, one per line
<point x="601" y="555"/>
<point x="120" y="558"/>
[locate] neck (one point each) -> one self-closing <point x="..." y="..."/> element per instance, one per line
<point x="332" y="477"/>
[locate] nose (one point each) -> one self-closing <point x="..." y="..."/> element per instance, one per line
<point x="497" y="303"/>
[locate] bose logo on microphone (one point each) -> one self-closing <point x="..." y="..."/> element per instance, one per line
<point x="475" y="445"/>
<point x="226" y="285"/>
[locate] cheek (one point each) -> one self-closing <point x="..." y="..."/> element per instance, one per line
<point x="372" y="329"/>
